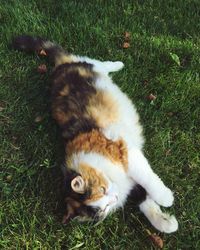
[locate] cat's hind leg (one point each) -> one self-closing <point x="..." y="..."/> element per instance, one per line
<point x="160" y="220"/>
<point x="142" y="173"/>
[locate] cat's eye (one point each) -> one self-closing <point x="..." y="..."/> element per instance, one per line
<point x="103" y="190"/>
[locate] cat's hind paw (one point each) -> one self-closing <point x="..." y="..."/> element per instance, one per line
<point x="166" y="223"/>
<point x="162" y="221"/>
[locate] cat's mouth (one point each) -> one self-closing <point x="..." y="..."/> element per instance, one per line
<point x="76" y="210"/>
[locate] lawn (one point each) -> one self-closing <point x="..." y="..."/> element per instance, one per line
<point x="163" y="59"/>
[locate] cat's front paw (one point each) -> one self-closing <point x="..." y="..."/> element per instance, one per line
<point x="118" y="65"/>
<point x="166" y="223"/>
<point x="164" y="197"/>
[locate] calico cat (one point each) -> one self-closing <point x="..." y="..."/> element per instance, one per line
<point x="103" y="139"/>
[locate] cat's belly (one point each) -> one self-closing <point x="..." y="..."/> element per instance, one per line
<point x="132" y="135"/>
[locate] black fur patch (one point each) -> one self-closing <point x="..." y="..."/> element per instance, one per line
<point x="31" y="44"/>
<point x="27" y="43"/>
<point x="69" y="175"/>
<point x="81" y="210"/>
<point x="72" y="106"/>
<point x="138" y="194"/>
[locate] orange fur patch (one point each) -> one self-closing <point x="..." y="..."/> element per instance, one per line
<point x="63" y="58"/>
<point x="94" y="181"/>
<point x="95" y="141"/>
<point x="103" y="108"/>
<point x="85" y="72"/>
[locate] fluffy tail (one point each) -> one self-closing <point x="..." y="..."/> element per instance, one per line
<point x="42" y="46"/>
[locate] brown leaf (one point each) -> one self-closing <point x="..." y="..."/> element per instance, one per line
<point x="151" y="97"/>
<point x="126" y="45"/>
<point x="157" y="241"/>
<point x="42" y="53"/>
<point x="42" y="68"/>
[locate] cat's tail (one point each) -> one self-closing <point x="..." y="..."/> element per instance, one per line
<point x="41" y="46"/>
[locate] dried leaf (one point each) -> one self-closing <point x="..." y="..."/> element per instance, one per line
<point x="157" y="241"/>
<point x="42" y="68"/>
<point x="126" y="45"/>
<point x="151" y="97"/>
<point x="42" y="53"/>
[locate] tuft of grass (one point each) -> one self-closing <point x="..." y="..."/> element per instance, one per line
<point x="163" y="59"/>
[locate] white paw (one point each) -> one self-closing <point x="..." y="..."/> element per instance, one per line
<point x="161" y="221"/>
<point x="166" y="223"/>
<point x="164" y="197"/>
<point x="118" y="65"/>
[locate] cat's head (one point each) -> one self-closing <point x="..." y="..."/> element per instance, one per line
<point x="89" y="194"/>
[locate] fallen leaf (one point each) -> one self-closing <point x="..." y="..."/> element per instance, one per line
<point x="42" y="68"/>
<point x="42" y="53"/>
<point x="151" y="97"/>
<point x="157" y="241"/>
<point x="38" y="119"/>
<point x="126" y="45"/>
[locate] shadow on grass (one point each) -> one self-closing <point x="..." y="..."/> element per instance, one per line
<point x="41" y="148"/>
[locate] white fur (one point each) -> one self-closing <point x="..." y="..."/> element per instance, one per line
<point x="113" y="172"/>
<point x="127" y="126"/>
<point x="162" y="221"/>
<point x="142" y="173"/>
<point x="129" y="129"/>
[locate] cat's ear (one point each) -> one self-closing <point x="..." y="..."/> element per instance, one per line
<point x="78" y="184"/>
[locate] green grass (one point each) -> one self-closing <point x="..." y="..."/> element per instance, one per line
<point x="30" y="152"/>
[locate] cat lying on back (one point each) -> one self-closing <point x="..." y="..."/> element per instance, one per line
<point x="103" y="139"/>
